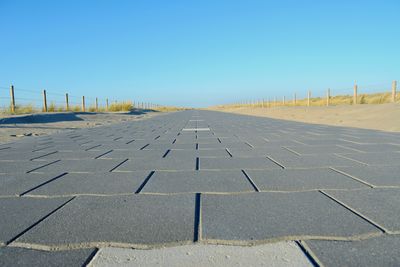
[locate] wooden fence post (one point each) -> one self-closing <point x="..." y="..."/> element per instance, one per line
<point x="106" y="104"/>
<point x="328" y="97"/>
<point x="97" y="105"/>
<point x="262" y="103"/>
<point x="83" y="104"/>
<point x="12" y="99"/>
<point x="355" y="94"/>
<point x="308" y="98"/>
<point x="44" y="101"/>
<point x="394" y="87"/>
<point x="294" y="99"/>
<point x="66" y="102"/>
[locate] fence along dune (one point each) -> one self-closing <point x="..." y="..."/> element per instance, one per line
<point x="24" y="101"/>
<point x="344" y="97"/>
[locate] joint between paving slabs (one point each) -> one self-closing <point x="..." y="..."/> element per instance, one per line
<point x="119" y="164"/>
<point x="197" y="233"/>
<point x="144" y="147"/>
<point x="276" y="162"/>
<point x="251" y="181"/>
<point x="292" y="151"/>
<point x="381" y="228"/>
<point x="43" y="148"/>
<point x="166" y="153"/>
<point x="91" y="257"/>
<point x="352" y="177"/>
<point x="197" y="163"/>
<point x="99" y="156"/>
<point x="42" y="184"/>
<point x="227" y="151"/>
<point x="344" y="157"/>
<point x="92" y="147"/>
<point x="51" y="153"/>
<point x="145" y="182"/>
<point x="356" y="150"/>
<point x="39" y="221"/>
<point x="45" y="165"/>
<point x="250" y="145"/>
<point x="309" y="253"/>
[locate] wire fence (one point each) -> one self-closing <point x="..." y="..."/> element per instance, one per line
<point x="356" y="94"/>
<point x="21" y="100"/>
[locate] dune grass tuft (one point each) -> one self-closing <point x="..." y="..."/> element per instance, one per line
<point x="121" y="106"/>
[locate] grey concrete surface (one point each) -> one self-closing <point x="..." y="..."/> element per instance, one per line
<point x="10" y="256"/>
<point x="302" y="179"/>
<point x="151" y="183"/>
<point x="380" y="205"/>
<point x="377" y="251"/>
<point x="135" y="220"/>
<point x="375" y="175"/>
<point x="19" y="214"/>
<point x="260" y="216"/>
<point x="198" y="182"/>
<point x="108" y="183"/>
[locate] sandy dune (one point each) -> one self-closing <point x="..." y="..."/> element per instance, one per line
<point x="19" y="126"/>
<point x="385" y="117"/>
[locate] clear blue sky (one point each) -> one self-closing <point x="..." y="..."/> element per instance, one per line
<point x="198" y="52"/>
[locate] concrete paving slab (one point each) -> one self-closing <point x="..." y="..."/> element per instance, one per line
<point x="237" y="164"/>
<point x="11" y="256"/>
<point x="380" y="205"/>
<point x="73" y="155"/>
<point x="301" y="179"/>
<point x="20" y="166"/>
<point x="278" y="254"/>
<point x="321" y="149"/>
<point x="271" y="216"/>
<point x="18" y="214"/>
<point x="314" y="161"/>
<point x="221" y="145"/>
<point x="375" y="175"/>
<point x="165" y="147"/>
<point x="374" y="147"/>
<point x="14" y="184"/>
<point x="171" y="164"/>
<point x="84" y="165"/>
<point x="130" y="154"/>
<point x="12" y="155"/>
<point x="198" y="181"/>
<point x="258" y="152"/>
<point x="215" y="153"/>
<point x="108" y="183"/>
<point x="130" y="220"/>
<point x="377" y="251"/>
<point x="211" y="140"/>
<point x="386" y="158"/>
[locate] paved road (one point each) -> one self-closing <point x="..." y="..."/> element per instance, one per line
<point x="206" y="177"/>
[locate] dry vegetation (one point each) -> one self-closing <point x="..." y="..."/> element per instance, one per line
<point x="377" y="98"/>
<point x="124" y="106"/>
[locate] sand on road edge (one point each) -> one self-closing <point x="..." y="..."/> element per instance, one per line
<point x="385" y="117"/>
<point x="15" y="127"/>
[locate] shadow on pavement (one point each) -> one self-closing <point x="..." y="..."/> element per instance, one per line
<point x="65" y="116"/>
